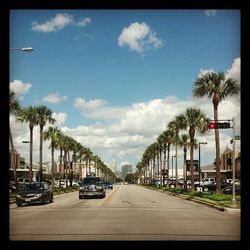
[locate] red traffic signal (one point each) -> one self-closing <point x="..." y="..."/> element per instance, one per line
<point x="214" y="125"/>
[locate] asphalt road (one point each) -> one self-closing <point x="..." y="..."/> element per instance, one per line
<point x="128" y="212"/>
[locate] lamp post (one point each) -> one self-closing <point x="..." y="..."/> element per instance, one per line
<point x="200" y="161"/>
<point x="28" y="49"/>
<point x="30" y="167"/>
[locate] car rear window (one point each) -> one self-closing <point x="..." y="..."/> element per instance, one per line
<point x="91" y="180"/>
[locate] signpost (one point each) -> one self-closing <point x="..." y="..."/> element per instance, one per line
<point x="195" y="163"/>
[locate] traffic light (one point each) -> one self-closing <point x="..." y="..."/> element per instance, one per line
<point x="214" y="125"/>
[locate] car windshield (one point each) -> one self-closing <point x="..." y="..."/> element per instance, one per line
<point x="91" y="181"/>
<point x="33" y="186"/>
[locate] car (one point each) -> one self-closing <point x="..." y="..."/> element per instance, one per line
<point x="92" y="187"/>
<point x="34" y="193"/>
<point x="229" y="189"/>
<point x="108" y="185"/>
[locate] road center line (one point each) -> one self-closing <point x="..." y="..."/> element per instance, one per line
<point x="108" y="199"/>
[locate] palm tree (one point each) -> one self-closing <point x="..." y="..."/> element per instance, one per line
<point x="14" y="107"/>
<point x="29" y="114"/>
<point x="176" y="125"/>
<point x="60" y="146"/>
<point x="169" y="137"/>
<point x="52" y="134"/>
<point x="217" y="87"/>
<point x="44" y="116"/>
<point x="162" y="146"/>
<point x="195" y="120"/>
<point x="185" y="143"/>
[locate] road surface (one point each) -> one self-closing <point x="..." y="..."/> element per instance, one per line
<point x="128" y="212"/>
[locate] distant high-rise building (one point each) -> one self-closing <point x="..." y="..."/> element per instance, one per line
<point x="126" y="169"/>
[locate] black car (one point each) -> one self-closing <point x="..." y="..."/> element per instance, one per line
<point x="34" y="193"/>
<point x="108" y="185"/>
<point x="229" y="189"/>
<point x="92" y="187"/>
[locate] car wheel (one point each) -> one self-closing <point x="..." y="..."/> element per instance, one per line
<point x="19" y="204"/>
<point x="80" y="197"/>
<point x="51" y="200"/>
<point x="103" y="196"/>
<point x="45" y="201"/>
<point x="205" y="189"/>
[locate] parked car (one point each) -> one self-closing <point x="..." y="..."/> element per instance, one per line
<point x="33" y="193"/>
<point x="92" y="187"/>
<point x="229" y="189"/>
<point x="108" y="185"/>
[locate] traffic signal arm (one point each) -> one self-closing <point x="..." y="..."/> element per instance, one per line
<point x="215" y="125"/>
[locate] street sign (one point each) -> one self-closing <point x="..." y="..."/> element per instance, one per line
<point x="195" y="163"/>
<point x="237" y="137"/>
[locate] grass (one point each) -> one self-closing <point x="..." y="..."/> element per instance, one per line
<point x="223" y="200"/>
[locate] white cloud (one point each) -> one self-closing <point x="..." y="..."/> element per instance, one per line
<point x="54" y="98"/>
<point x="150" y="117"/>
<point x="91" y="104"/>
<point x="20" y="88"/>
<point x="54" y="24"/>
<point x="127" y="138"/>
<point x="59" y="22"/>
<point x="139" y="37"/>
<point x="211" y="12"/>
<point x="84" y="22"/>
<point x="60" y="118"/>
<point x="234" y="71"/>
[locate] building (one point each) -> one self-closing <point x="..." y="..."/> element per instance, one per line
<point x="226" y="165"/>
<point x="126" y="169"/>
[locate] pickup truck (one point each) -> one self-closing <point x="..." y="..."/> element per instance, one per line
<point x="206" y="183"/>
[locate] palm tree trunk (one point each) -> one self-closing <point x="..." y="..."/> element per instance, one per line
<point x="176" y="165"/>
<point x="185" y="169"/>
<point x="60" y="167"/>
<point x="40" y="153"/>
<point x="192" y="165"/>
<point x="53" y="168"/>
<point x="66" y="167"/>
<point x="164" y="164"/>
<point x="13" y="158"/>
<point x="168" y="165"/>
<point x="217" y="147"/>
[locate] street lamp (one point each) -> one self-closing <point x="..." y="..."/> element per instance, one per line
<point x="30" y="167"/>
<point x="29" y="49"/>
<point x="200" y="161"/>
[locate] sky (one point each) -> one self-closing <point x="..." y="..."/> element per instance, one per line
<point x="114" y="79"/>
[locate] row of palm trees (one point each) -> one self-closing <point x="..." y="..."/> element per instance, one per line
<point x="194" y="120"/>
<point x="216" y="87"/>
<point x="41" y="116"/>
<point x="81" y="155"/>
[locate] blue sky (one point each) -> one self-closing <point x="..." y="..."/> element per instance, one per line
<point x="115" y="78"/>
